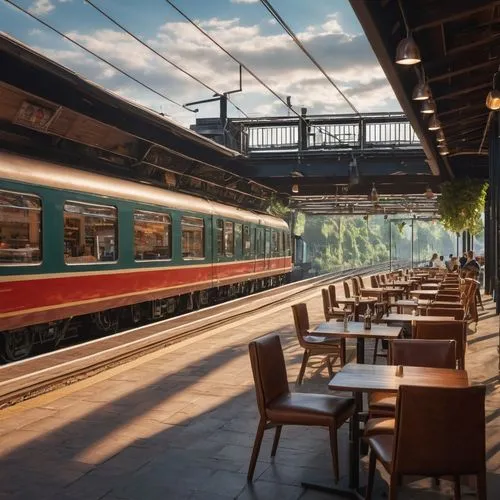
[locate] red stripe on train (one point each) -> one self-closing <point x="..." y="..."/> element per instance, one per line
<point x="39" y="293"/>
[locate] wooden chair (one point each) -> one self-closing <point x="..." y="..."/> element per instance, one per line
<point x="429" y="437"/>
<point x="278" y="406"/>
<point x="457" y="313"/>
<point x="314" y="345"/>
<point x="347" y="290"/>
<point x="442" y="330"/>
<point x="330" y="311"/>
<point x="409" y="352"/>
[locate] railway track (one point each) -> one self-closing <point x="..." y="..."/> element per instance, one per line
<point x="33" y="376"/>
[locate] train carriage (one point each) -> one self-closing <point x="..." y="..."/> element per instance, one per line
<point x="75" y="243"/>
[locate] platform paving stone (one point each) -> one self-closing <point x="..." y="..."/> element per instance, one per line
<point x="180" y="424"/>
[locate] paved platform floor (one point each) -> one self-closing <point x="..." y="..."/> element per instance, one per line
<point x="180" y="423"/>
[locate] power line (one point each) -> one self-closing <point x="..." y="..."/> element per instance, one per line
<point x="102" y="59"/>
<point x="175" y="65"/>
<point x="290" y="32"/>
<point x="252" y="73"/>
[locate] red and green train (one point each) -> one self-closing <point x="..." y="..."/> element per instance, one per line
<point x="75" y="244"/>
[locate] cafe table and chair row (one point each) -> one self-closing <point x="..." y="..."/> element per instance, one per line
<point x="411" y="400"/>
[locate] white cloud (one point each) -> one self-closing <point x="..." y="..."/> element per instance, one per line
<point x="345" y="56"/>
<point x="41" y="7"/>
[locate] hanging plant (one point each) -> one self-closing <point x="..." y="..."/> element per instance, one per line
<point x="461" y="205"/>
<point x="401" y="227"/>
<point x="277" y="208"/>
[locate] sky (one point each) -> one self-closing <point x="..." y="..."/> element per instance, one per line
<point x="328" y="29"/>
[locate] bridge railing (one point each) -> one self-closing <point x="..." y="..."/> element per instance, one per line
<point x="339" y="132"/>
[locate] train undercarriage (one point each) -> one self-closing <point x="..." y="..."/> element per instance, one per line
<point x="20" y="343"/>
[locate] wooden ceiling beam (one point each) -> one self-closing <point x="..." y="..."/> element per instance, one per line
<point x="462" y="109"/>
<point x="465" y="69"/>
<point x="435" y="20"/>
<point x="460" y="92"/>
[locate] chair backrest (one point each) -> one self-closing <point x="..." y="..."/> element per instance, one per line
<point x="301" y="320"/>
<point x="347" y="291"/>
<point x="355" y="287"/>
<point x="333" y="295"/>
<point x="443" y="330"/>
<point x="420" y="352"/>
<point x="439" y="431"/>
<point x="382" y="279"/>
<point x="361" y="283"/>
<point x="269" y="370"/>
<point x="326" y="303"/>
<point x="373" y="281"/>
<point x="456" y="313"/>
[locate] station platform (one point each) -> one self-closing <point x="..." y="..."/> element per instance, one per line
<point x="180" y="423"/>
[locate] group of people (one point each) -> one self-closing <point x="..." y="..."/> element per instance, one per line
<point x="466" y="262"/>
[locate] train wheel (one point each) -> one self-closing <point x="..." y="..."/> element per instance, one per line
<point x="17" y="345"/>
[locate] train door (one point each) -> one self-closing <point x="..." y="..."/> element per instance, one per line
<point x="259" y="250"/>
<point x="267" y="243"/>
<point x="217" y="248"/>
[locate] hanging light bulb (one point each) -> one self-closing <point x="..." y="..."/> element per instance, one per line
<point x="434" y="123"/>
<point x="493" y="97"/>
<point x="421" y="92"/>
<point x="428" y="107"/>
<point x="443" y="149"/>
<point x="295" y="188"/>
<point x="407" y="52"/>
<point x="374" y="194"/>
<point x="440" y="135"/>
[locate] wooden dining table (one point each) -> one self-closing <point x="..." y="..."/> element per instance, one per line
<point x="357" y="331"/>
<point x="408" y="318"/>
<point x="426" y="294"/>
<point x="359" y="379"/>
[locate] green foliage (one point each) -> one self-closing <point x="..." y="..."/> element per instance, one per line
<point x="277" y="208"/>
<point x="300" y="222"/>
<point x="461" y="205"/>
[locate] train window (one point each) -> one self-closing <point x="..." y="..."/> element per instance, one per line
<point x="229" y="238"/>
<point x="193" y="237"/>
<point x="220" y="237"/>
<point x="20" y="228"/>
<point x="152" y="235"/>
<point x="90" y="233"/>
<point x="238" y="234"/>
<point x="283" y="243"/>
<point x="246" y="241"/>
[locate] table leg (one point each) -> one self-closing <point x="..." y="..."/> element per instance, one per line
<point x="360" y="350"/>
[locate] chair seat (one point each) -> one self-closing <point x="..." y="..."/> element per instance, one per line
<point x="382" y="445"/>
<point x="376" y="426"/>
<point x="387" y="403"/>
<point x="317" y="340"/>
<point x="309" y="409"/>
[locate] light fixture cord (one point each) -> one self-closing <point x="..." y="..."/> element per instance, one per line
<point x="404" y="18"/>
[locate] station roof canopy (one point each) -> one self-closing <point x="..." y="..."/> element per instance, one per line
<point x="459" y="44"/>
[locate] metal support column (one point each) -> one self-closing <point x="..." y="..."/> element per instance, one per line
<point x="413" y="220"/>
<point x="390" y="246"/>
<point x="487" y="244"/>
<point x="464" y="242"/>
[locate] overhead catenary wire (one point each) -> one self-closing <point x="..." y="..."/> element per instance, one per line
<point x="159" y="54"/>
<point x="244" y="66"/>
<point x="97" y="56"/>
<point x="294" y="37"/>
